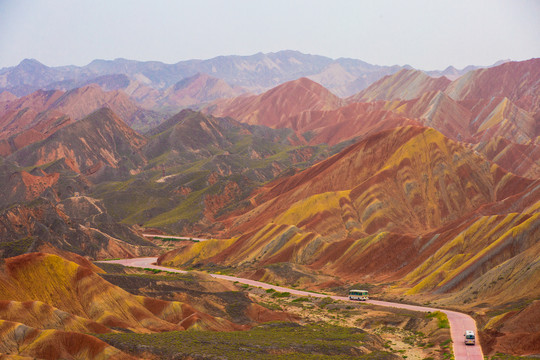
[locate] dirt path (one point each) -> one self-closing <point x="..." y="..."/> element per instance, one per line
<point x="459" y="322"/>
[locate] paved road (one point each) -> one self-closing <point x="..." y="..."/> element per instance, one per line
<point x="151" y="236"/>
<point x="459" y="322"/>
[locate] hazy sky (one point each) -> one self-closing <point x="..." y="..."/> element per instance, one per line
<point x="427" y="34"/>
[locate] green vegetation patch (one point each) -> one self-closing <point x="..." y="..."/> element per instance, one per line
<point x="500" y="356"/>
<point x="15" y="248"/>
<point x="278" y="294"/>
<point x="442" y="319"/>
<point x="267" y="341"/>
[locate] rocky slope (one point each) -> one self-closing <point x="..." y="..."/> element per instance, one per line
<point x="80" y="102"/>
<point x="35" y="117"/>
<point x="406" y="181"/>
<point x="81" y="292"/>
<point x="99" y="141"/>
<point x="403" y="85"/>
<point x="517" y="81"/>
<point x="20" y="341"/>
<point x="199" y="167"/>
<point x="22" y="121"/>
<point x="79" y="225"/>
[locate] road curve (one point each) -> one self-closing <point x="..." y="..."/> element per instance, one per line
<point x="459" y="322"/>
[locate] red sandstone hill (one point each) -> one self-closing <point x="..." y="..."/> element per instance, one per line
<point x="21" y="114"/>
<point x="100" y="140"/>
<point x="469" y="120"/>
<point x="518" y="81"/>
<point x="35" y="117"/>
<point x="80" y="102"/>
<point x="20" y="342"/>
<point x="345" y="123"/>
<point x="77" y="224"/>
<point x="79" y="291"/>
<point x="419" y="99"/>
<point x="520" y="159"/>
<point x="403" y="85"/>
<point x="274" y="106"/>
<point x="407" y="181"/>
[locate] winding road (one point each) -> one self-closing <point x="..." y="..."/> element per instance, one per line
<point x="459" y="322"/>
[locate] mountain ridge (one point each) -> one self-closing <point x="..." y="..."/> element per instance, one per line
<point x="279" y="67"/>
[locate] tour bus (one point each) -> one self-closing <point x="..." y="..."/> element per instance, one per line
<point x="361" y="295"/>
<point x="469" y="337"/>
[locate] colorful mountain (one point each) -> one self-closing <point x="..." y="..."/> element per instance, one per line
<point x="438" y="196"/>
<point x="407" y="206"/>
<point x="80" y="102"/>
<point x="520" y="159"/>
<point x="276" y="105"/>
<point x="29" y="342"/>
<point x="500" y="117"/>
<point x="199" y="167"/>
<point x="79" y="291"/>
<point x="353" y="121"/>
<point x="35" y="117"/>
<point x="403" y="85"/>
<point x="516" y="80"/>
<point x="48" y="303"/>
<point x="399" y="186"/>
<point x="119" y="145"/>
<point x="79" y="225"/>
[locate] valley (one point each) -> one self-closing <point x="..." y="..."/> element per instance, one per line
<point x="458" y="322"/>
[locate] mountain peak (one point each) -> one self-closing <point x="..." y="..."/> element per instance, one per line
<point x="276" y="105"/>
<point x="302" y="84"/>
<point x="32" y="64"/>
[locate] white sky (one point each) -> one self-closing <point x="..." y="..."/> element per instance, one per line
<point x="428" y="34"/>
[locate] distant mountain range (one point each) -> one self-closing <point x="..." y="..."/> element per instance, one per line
<point x="254" y="73"/>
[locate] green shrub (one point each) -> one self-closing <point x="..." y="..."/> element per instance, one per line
<point x="278" y="294"/>
<point x="442" y="319"/>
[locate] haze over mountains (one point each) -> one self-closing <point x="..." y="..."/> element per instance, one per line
<point x="335" y="169"/>
<point x="254" y="73"/>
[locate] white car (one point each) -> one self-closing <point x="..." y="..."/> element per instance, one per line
<point x="469" y="337"/>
